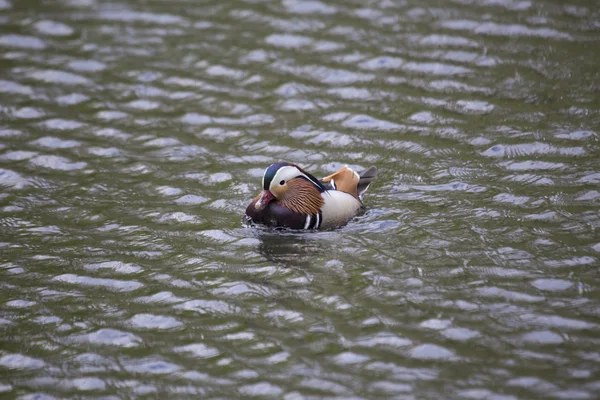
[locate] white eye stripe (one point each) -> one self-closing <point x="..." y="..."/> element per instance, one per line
<point x="285" y="174"/>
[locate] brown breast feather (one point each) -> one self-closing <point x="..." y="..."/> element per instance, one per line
<point x="302" y="197"/>
<point x="345" y="180"/>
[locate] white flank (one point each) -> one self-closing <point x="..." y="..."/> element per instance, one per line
<point x="317" y="223"/>
<point x="339" y="207"/>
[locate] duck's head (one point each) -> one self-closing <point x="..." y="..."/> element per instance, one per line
<point x="280" y="182"/>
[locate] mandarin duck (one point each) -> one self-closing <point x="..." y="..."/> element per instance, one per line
<point x="293" y="198"/>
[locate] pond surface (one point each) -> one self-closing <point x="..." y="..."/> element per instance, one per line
<point x="133" y="135"/>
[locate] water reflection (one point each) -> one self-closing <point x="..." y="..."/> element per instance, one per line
<point x="293" y="250"/>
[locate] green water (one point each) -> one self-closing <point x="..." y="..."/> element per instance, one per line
<point x="134" y="134"/>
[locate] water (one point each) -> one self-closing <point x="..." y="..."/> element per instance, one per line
<point x="133" y="135"/>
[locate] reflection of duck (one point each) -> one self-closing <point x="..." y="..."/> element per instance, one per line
<point x="294" y="249"/>
<point x="293" y="198"/>
<point x="288" y="248"/>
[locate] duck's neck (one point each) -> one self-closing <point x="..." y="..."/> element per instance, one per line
<point x="302" y="197"/>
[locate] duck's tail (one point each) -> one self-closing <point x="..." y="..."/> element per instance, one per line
<point x="352" y="182"/>
<point x="365" y="178"/>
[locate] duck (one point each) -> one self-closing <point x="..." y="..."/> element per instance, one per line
<point x="293" y="198"/>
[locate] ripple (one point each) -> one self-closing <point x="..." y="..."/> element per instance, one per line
<point x="196" y="119"/>
<point x="297" y="105"/>
<point x="349" y="357"/>
<point x="87" y="384"/>
<point x="534" y="383"/>
<point x="219" y="70"/>
<point x="55" y="76"/>
<point x="110" y="284"/>
<point x="55" y="143"/>
<point x="460" y="334"/>
<point x="110" y="115"/>
<point x="382" y="62"/>
<point x="436" y="324"/>
<point x="391" y="387"/>
<point x="107" y="336"/>
<point x="22" y="42"/>
<point x="367" y="122"/>
<point x="162" y="142"/>
<point x="552" y="285"/>
<point x="117" y="266"/>
<point x="512" y="199"/>
<point x="36" y="396"/>
<point x="288" y="41"/>
<point x="151" y="321"/>
<point x="290" y="316"/>
<point x="104" y="152"/>
<point x="208" y="307"/>
<point x="575" y="261"/>
<point x="20" y="303"/>
<point x="138" y="16"/>
<point x="91" y="363"/>
<point x="590" y="178"/>
<point x="431" y="352"/>
<point x="10" y="178"/>
<point x="16" y="88"/>
<point x="28" y="113"/>
<point x="509" y="295"/>
<point x="112" y="133"/>
<point x="20" y="362"/>
<point x="436" y="69"/>
<point x="218" y="235"/>
<point x="191" y="200"/>
<point x="495" y="29"/>
<point x="474" y="107"/>
<point x="323" y="385"/>
<point x="57" y="163"/>
<point x="144" y="105"/>
<point x="542" y="337"/>
<point x="261" y="389"/>
<point x="86" y="65"/>
<point x="72" y="99"/>
<point x="308" y="7"/>
<point x="161" y="297"/>
<point x="45" y="320"/>
<point x="150" y="366"/>
<point x="439" y="40"/>
<point x="555" y="321"/>
<point x="325" y="75"/>
<point x="53" y="28"/>
<point x="533" y="165"/>
<point x="179" y="217"/>
<point x="169" y="191"/>
<point x="198" y="350"/>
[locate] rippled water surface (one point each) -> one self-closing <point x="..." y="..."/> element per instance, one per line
<point x="133" y="134"/>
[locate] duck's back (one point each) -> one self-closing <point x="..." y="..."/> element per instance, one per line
<point x="343" y="200"/>
<point x="345" y="180"/>
<point x="349" y="181"/>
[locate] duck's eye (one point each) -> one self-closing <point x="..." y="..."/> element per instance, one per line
<point x="282" y="182"/>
